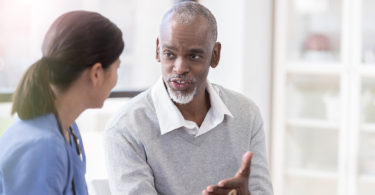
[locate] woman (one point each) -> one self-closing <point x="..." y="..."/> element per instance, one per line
<point x="42" y="152"/>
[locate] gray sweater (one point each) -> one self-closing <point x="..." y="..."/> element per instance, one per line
<point x="142" y="161"/>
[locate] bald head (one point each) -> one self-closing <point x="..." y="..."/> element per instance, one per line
<point x="187" y="13"/>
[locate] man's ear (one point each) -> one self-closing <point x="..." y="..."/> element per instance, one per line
<point x="157" y="56"/>
<point x="96" y="73"/>
<point x="216" y="55"/>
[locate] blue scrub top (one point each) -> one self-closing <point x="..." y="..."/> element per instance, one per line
<point x="36" y="159"/>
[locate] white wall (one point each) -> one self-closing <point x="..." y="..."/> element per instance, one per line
<point x="147" y="67"/>
<point x="257" y="69"/>
<point x="245" y="31"/>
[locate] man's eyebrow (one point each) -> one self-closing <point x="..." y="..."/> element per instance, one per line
<point x="194" y="50"/>
<point x="200" y="51"/>
<point x="169" y="47"/>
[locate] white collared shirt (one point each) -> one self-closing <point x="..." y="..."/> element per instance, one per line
<point x="170" y="117"/>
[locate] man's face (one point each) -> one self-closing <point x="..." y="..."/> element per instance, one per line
<point x="186" y="52"/>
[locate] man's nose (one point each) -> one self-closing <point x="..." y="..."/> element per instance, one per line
<point x="180" y="66"/>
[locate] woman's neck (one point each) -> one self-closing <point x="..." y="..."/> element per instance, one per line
<point x="68" y="110"/>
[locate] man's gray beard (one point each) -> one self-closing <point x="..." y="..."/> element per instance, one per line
<point x="181" y="98"/>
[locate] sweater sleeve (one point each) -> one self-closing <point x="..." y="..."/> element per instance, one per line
<point x="126" y="161"/>
<point x="260" y="180"/>
<point x="39" y="167"/>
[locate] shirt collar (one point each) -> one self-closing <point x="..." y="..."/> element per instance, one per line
<point x="170" y="118"/>
<point x="217" y="104"/>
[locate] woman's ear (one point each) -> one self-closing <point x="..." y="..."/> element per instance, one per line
<point x="96" y="74"/>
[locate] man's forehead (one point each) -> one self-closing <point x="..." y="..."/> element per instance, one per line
<point x="183" y="18"/>
<point x="185" y="34"/>
<point x="196" y="24"/>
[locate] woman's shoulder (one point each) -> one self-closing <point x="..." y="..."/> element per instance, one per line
<point x="33" y="158"/>
<point x="39" y="127"/>
<point x="35" y="138"/>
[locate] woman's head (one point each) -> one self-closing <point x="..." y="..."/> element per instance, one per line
<point x="76" y="41"/>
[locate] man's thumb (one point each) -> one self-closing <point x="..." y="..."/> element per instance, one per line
<point x="244" y="170"/>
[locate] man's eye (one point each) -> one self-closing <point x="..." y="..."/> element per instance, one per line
<point x="195" y="57"/>
<point x="168" y="55"/>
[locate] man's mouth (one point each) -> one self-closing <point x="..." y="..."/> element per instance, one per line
<point x="179" y="84"/>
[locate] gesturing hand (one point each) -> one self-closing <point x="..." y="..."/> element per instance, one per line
<point x="237" y="185"/>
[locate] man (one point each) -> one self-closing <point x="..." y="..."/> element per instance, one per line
<point x="186" y="135"/>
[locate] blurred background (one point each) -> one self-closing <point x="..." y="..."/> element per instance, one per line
<point x="308" y="64"/>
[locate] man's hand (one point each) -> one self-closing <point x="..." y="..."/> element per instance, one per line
<point x="237" y="185"/>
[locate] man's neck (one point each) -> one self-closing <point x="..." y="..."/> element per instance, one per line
<point x="197" y="109"/>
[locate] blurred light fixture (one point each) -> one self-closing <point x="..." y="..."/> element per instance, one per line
<point x="311" y="6"/>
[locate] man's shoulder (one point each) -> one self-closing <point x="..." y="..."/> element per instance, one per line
<point x="136" y="109"/>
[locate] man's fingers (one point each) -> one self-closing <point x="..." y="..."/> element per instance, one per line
<point x="210" y="190"/>
<point x="241" y="176"/>
<point x="231" y="183"/>
<point x="239" y="181"/>
<point x="244" y="171"/>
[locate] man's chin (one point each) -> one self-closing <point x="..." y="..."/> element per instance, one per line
<point x="181" y="97"/>
<point x="181" y="92"/>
